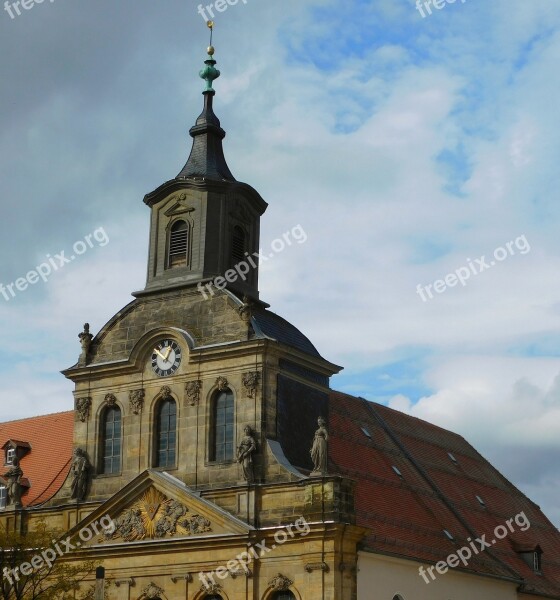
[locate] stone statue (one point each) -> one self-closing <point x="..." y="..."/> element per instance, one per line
<point x="85" y="340"/>
<point x="15" y="489"/>
<point x="246" y="313"/>
<point x="319" y="450"/>
<point x="80" y="475"/>
<point x="245" y="452"/>
<point x="246" y="309"/>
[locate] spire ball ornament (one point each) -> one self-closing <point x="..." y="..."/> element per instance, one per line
<point x="210" y="25"/>
<point x="209" y="73"/>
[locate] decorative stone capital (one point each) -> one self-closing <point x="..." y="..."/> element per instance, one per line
<point x="83" y="406"/>
<point x="136" y="398"/>
<point x="151" y="591"/>
<point x="280" y="583"/>
<point x="192" y="391"/>
<point x="251" y="383"/>
<point x="222" y="383"/>
<point x="110" y="399"/>
<point x="165" y="392"/>
<point x="211" y="588"/>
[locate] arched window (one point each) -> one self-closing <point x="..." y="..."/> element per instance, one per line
<point x="286" y="595"/>
<point x="178" y="244"/>
<point x="398" y="597"/>
<point x="112" y="437"/>
<point x="238" y="245"/>
<point x="166" y="433"/>
<point x="222" y="427"/>
<point x="213" y="597"/>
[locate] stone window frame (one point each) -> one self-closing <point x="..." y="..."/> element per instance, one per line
<point x="213" y="395"/>
<point x="190" y="229"/>
<point x="100" y="454"/>
<point x="158" y="402"/>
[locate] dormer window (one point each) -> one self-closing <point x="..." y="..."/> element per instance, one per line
<point x="532" y="555"/>
<point x="178" y="244"/>
<point x="537" y="561"/>
<point x="449" y="535"/>
<point x="14" y="449"/>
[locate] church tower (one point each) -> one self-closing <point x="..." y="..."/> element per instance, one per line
<point x="196" y="363"/>
<point x="196" y="407"/>
<point x="204" y="223"/>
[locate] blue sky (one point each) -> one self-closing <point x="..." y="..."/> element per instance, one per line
<point x="404" y="146"/>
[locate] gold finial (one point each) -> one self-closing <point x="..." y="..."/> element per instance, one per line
<point x="210" y="25"/>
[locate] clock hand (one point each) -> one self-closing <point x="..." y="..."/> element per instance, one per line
<point x="166" y="357"/>
<point x="159" y="353"/>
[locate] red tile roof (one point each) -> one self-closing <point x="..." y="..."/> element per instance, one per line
<point x="407" y="515"/>
<point x="47" y="464"/>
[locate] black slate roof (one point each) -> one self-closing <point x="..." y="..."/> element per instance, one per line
<point x="207" y="159"/>
<point x="274" y="326"/>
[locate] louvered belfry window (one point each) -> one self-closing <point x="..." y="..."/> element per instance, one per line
<point x="178" y="244"/>
<point x="237" y="245"/>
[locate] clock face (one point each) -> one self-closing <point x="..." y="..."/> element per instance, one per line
<point x="166" y="358"/>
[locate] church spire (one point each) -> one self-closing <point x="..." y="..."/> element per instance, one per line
<point x="207" y="159"/>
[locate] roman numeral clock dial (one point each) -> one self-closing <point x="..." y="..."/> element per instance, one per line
<point x="166" y="358"/>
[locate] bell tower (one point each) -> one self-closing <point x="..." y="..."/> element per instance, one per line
<point x="205" y="225"/>
<point x="196" y="376"/>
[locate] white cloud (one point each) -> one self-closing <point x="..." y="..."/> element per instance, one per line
<point x="507" y="408"/>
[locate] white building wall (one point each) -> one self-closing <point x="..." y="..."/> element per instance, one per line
<point x="383" y="577"/>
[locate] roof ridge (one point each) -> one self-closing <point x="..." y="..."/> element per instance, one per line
<point x="432" y="425"/>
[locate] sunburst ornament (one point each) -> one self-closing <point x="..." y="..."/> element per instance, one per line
<point x="152" y="508"/>
<point x="154" y="516"/>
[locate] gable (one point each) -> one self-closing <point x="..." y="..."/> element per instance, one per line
<point x="156" y="506"/>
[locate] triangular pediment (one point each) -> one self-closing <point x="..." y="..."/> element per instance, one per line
<point x="154" y="507"/>
<point x="180" y="207"/>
